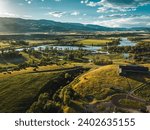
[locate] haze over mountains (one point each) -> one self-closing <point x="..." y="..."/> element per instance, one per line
<point x="18" y="25"/>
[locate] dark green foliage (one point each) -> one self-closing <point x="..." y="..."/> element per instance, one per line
<point x="38" y="106"/>
<point x="44" y="105"/>
<point x="67" y="76"/>
<point x="52" y="107"/>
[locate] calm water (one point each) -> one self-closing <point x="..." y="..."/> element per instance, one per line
<point x="123" y="42"/>
<point x="126" y="42"/>
<point x="90" y="48"/>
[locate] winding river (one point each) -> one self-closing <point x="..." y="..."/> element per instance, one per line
<point x="123" y="42"/>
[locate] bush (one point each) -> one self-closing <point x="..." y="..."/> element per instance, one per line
<point x="67" y="76"/>
<point x="43" y="98"/>
<point x="38" y="107"/>
<point x="52" y="107"/>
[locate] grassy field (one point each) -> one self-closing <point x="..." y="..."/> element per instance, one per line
<point x="19" y="89"/>
<point x="95" y="42"/>
<point x="40" y="68"/>
<point x="144" y="91"/>
<point x="131" y="104"/>
<point x="4" y="45"/>
<point x="7" y="65"/>
<point x="40" y="42"/>
<point x="18" y="92"/>
<point x="146" y="40"/>
<point x="101" y="82"/>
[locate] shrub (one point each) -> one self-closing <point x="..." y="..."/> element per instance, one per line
<point x="43" y="98"/>
<point x="67" y="76"/>
<point x="52" y="107"/>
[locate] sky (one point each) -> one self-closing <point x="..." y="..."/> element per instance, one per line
<point x="110" y="13"/>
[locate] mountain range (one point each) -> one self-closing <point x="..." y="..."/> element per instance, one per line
<point x="19" y="25"/>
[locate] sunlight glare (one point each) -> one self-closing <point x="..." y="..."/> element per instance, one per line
<point x="2" y="6"/>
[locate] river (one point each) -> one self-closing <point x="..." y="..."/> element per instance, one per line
<point x="123" y="42"/>
<point x="126" y="42"/>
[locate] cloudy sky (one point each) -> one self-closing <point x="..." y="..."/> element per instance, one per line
<point x="111" y="13"/>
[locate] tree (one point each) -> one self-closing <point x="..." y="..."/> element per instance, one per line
<point x="67" y="76"/>
<point x="43" y="98"/>
<point x="51" y="107"/>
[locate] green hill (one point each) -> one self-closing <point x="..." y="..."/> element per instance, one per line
<point x="98" y="90"/>
<point x="19" y="91"/>
<point x="103" y="90"/>
<point x="105" y="79"/>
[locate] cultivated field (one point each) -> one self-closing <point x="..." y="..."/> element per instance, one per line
<point x="95" y="42"/>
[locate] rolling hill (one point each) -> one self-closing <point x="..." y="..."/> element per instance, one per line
<point x="18" y="25"/>
<point x="104" y="80"/>
<point x="21" y="88"/>
<point x="103" y="90"/>
<point x="22" y="25"/>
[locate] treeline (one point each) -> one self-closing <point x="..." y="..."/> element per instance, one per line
<point x="139" y="48"/>
<point x="42" y="57"/>
<point x="114" y="42"/>
<point x="97" y="60"/>
<point x="55" y="97"/>
<point x="140" y="52"/>
<point x="61" y="102"/>
<point x="9" y="53"/>
<point x="22" y="43"/>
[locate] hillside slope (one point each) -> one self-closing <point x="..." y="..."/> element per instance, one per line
<point x="103" y="81"/>
<point x="19" y="91"/>
<point x="18" y="25"/>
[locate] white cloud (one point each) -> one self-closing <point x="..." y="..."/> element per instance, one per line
<point x="27" y="16"/>
<point x="138" y="21"/>
<point x="56" y="14"/>
<point x="75" y="13"/>
<point x="12" y="15"/>
<point x="105" y="6"/>
<point x="8" y="14"/>
<point x="57" y="0"/>
<point x="91" y="4"/>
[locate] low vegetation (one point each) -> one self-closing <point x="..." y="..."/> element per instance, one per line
<point x="132" y="104"/>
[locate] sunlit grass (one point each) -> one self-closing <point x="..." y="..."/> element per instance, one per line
<point x="95" y="42"/>
<point x="99" y="81"/>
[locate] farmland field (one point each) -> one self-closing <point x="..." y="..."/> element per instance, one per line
<point x="95" y="42"/>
